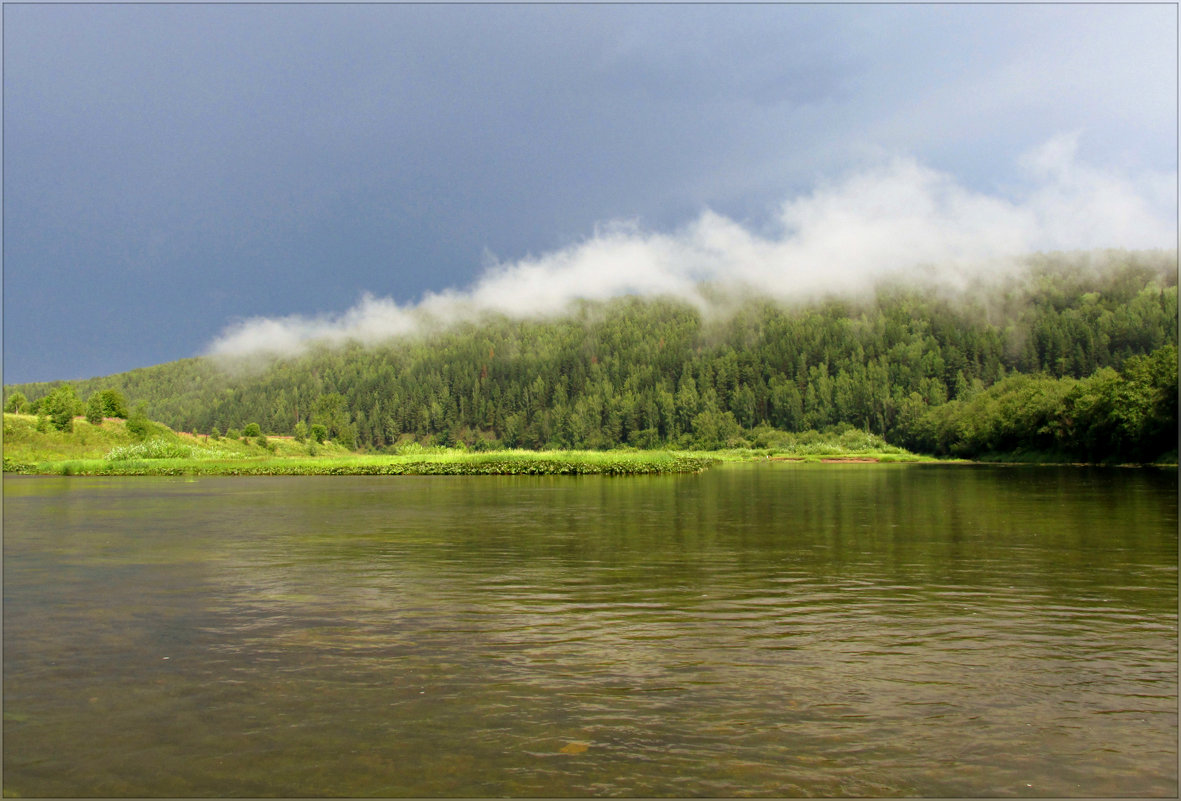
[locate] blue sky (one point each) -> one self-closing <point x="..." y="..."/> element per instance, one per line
<point x="180" y="179"/>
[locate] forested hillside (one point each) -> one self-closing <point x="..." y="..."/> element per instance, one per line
<point x="1074" y="355"/>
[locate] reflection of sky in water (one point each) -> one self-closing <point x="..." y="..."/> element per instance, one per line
<point x="771" y="629"/>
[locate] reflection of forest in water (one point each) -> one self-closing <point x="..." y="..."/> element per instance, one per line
<point x="851" y="629"/>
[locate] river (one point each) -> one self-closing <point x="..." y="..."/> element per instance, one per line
<point x="757" y="629"/>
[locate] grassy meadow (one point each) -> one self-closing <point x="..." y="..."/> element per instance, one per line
<point x="110" y="449"/>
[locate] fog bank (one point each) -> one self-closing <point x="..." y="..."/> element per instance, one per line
<point x="900" y="218"/>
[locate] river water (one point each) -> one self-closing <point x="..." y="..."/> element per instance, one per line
<point x="758" y="629"/>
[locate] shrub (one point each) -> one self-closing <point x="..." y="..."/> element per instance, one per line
<point x="347" y="437"/>
<point x="233" y="433"/>
<point x="61" y="406"/>
<point x="301" y="431"/>
<point x="139" y="424"/>
<point x="645" y="439"/>
<point x="17" y="403"/>
<point x="319" y="432"/>
<point x="94" y="410"/>
<point x="855" y="440"/>
<point x="713" y="430"/>
<point x="251" y="430"/>
<point x="114" y="405"/>
<point x="154" y="448"/>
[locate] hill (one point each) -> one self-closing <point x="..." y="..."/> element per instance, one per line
<point x="28" y="442"/>
<point x="1072" y="356"/>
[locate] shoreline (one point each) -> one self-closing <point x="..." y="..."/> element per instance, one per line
<point x="449" y="463"/>
<point x="110" y="449"/>
<point x="493" y="463"/>
<point x="453" y="462"/>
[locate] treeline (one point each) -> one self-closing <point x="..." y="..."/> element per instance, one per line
<point x="1073" y="356"/>
<point x="1128" y="415"/>
<point x="61" y="405"/>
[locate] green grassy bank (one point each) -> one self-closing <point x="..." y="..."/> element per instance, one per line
<point x="447" y="463"/>
<point x="110" y="449"/>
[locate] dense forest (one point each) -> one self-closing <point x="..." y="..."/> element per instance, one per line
<point x="1073" y="356"/>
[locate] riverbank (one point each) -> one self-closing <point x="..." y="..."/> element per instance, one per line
<point x="502" y="463"/>
<point x="110" y="449"/>
<point x="444" y="462"/>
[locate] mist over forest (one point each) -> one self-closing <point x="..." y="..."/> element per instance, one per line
<point x="900" y="221"/>
<point x="1070" y="354"/>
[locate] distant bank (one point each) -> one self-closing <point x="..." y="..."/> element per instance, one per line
<point x="115" y="448"/>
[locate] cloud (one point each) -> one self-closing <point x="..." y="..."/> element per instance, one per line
<point x="900" y="218"/>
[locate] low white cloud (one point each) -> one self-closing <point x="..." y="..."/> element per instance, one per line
<point x="899" y="218"/>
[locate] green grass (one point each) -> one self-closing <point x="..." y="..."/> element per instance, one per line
<point x="448" y="463"/>
<point x="23" y="443"/>
<point x="844" y="444"/>
<point x="27" y="450"/>
<point x="112" y="450"/>
<point x="833" y="455"/>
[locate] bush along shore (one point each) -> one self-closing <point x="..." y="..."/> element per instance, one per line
<point x="113" y="448"/>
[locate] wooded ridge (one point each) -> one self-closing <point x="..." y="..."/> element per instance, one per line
<point x="1072" y="357"/>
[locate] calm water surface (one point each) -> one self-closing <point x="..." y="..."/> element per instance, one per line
<point x="769" y="629"/>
